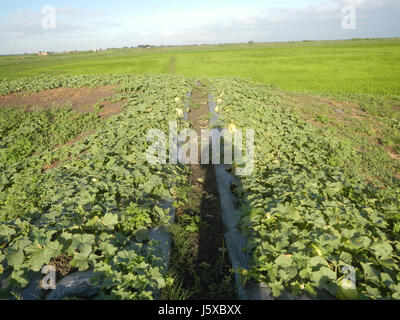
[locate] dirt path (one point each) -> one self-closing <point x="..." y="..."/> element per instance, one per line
<point x="172" y="65"/>
<point x="204" y="269"/>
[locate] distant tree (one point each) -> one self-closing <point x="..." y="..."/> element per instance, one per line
<point x="251" y="42"/>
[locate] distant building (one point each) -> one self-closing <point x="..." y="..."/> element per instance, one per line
<point x="43" y="53"/>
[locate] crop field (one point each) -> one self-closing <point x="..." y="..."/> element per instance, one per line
<point x="340" y="67"/>
<point x="88" y="199"/>
<point x="309" y="208"/>
<point x="78" y="193"/>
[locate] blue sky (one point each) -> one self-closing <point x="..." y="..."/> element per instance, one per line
<point x="92" y="24"/>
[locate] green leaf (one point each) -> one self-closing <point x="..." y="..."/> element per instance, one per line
<point x="346" y="257"/>
<point x="110" y="220"/>
<point x="276" y="288"/>
<point x="125" y="256"/>
<point x="153" y="182"/>
<point x="284" y="261"/>
<point x="108" y="249"/>
<point x="382" y="249"/>
<point x="83" y="243"/>
<point x="15" y="259"/>
<point x="373" y="292"/>
<point x="19" y="277"/>
<point x="40" y="256"/>
<point x="325" y="278"/>
<point x="157" y="276"/>
<point x="6" y="233"/>
<point x="388" y="281"/>
<point x="81" y="262"/>
<point x="370" y="273"/>
<point x="288" y="273"/>
<point x="317" y="261"/>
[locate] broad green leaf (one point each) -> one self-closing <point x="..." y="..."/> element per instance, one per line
<point x="346" y="257"/>
<point x="40" y="256"/>
<point x="19" y="277"/>
<point x="6" y="233"/>
<point x="108" y="249"/>
<point x="284" y="261"/>
<point x="317" y="261"/>
<point x="276" y="288"/>
<point x="382" y="249"/>
<point x="15" y="259"/>
<point x="81" y="262"/>
<point x="110" y="220"/>
<point x="370" y="272"/>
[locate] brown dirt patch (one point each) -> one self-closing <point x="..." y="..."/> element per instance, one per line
<point x="53" y="165"/>
<point x="81" y="99"/>
<point x="393" y="154"/>
<point x="57" y="163"/>
<point x="338" y="112"/>
<point x="76" y="139"/>
<point x="63" y="267"/>
<point x="350" y="109"/>
<point x="172" y="65"/>
<point x="108" y="110"/>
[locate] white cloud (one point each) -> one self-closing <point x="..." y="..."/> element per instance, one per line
<point x="97" y="13"/>
<point x="82" y="29"/>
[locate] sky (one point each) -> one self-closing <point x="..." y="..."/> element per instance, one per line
<point x="88" y="24"/>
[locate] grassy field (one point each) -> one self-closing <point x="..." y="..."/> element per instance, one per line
<point x="335" y="67"/>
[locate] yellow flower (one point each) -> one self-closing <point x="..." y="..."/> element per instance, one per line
<point x="179" y="112"/>
<point x="177" y="99"/>
<point x="232" y="128"/>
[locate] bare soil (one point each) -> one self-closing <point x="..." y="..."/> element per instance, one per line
<point x="172" y="65"/>
<point x="63" y="267"/>
<point x="393" y="154"/>
<point x="81" y="100"/>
